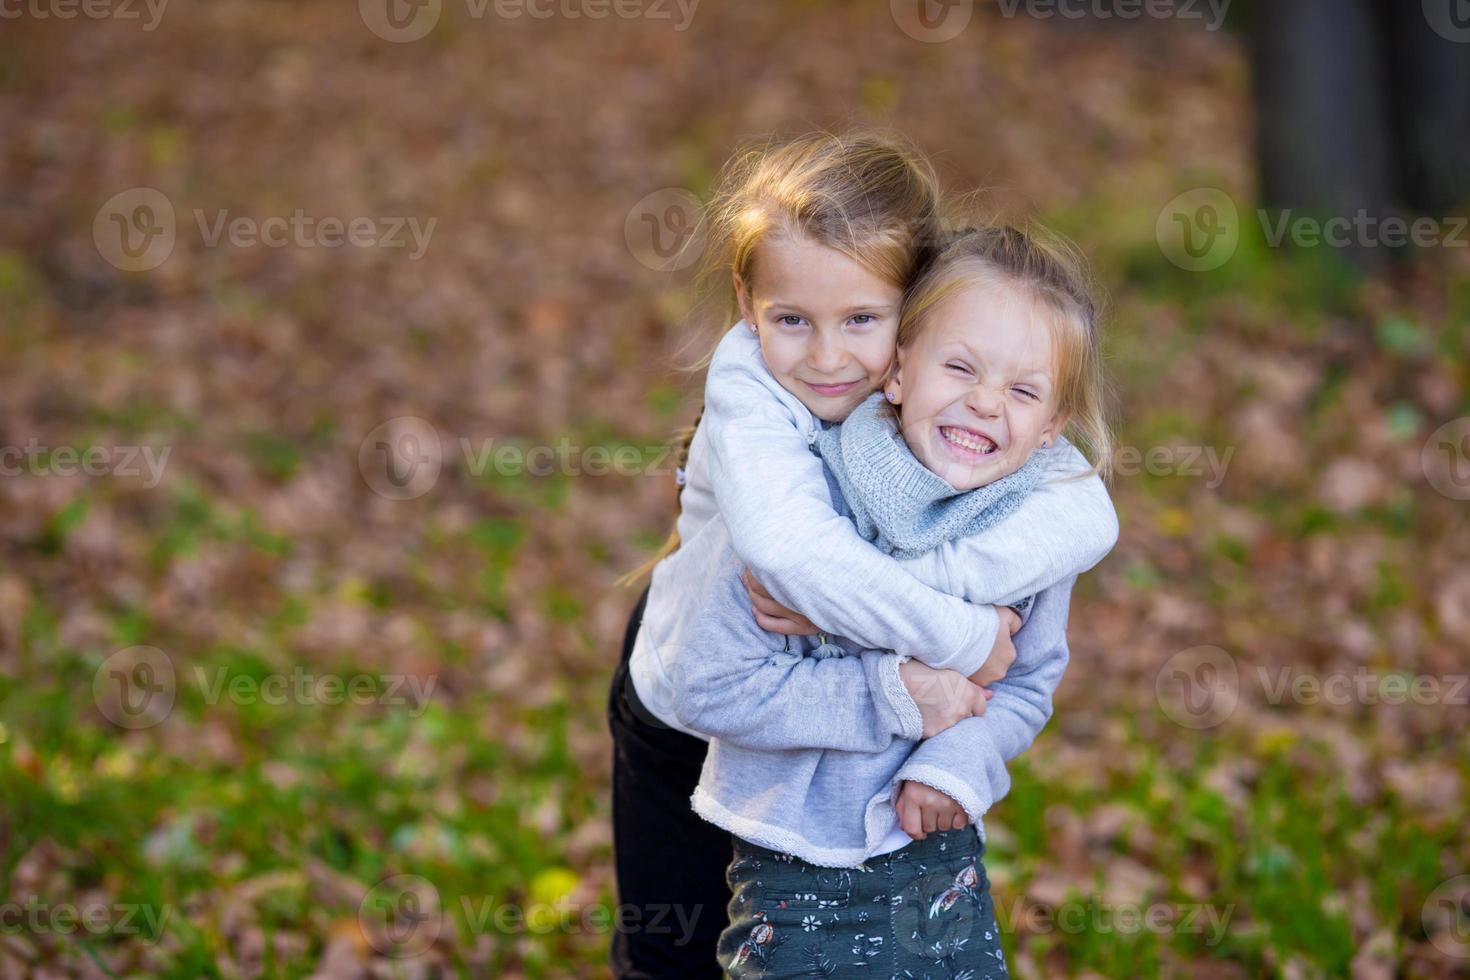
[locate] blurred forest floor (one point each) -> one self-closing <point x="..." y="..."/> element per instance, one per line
<point x="1315" y="833"/>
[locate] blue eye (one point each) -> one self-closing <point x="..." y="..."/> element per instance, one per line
<point x="863" y="319"/>
<point x="789" y="320"/>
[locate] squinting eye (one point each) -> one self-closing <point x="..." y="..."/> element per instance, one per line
<point x="1029" y="394"/>
<point x="959" y="367"/>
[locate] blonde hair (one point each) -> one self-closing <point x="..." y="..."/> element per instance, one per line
<point x="1054" y="273"/>
<point x="868" y="195"/>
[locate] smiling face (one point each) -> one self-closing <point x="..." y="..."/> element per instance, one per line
<point x="827" y="325"/>
<point x="977" y="388"/>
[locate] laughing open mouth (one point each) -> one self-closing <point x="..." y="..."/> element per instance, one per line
<point x="968" y="440"/>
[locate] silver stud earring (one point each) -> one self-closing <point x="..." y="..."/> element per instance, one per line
<point x="889" y="395"/>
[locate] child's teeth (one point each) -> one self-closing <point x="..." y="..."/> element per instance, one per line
<point x="964" y="439"/>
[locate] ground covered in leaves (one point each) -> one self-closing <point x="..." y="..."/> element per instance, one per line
<point x="244" y="834"/>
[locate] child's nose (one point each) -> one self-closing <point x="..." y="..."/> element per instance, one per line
<point x="984" y="401"/>
<point x="827" y="357"/>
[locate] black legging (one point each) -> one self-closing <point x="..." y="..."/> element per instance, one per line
<point x="670" y="863"/>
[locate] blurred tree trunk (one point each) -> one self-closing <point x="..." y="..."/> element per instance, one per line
<point x="1360" y="104"/>
<point x="1431" y="110"/>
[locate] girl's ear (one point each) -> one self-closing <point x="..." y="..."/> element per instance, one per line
<point x="1053" y="429"/>
<point x="893" y="385"/>
<point x="742" y="299"/>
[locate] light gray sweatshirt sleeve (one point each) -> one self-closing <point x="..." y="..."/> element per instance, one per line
<point x="967" y="761"/>
<point x="774" y="498"/>
<point x="1063" y="528"/>
<point x="739" y="683"/>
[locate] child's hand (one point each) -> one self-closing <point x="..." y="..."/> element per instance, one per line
<point x="943" y="696"/>
<point x="922" y="810"/>
<point x="770" y="615"/>
<point x="1003" y="653"/>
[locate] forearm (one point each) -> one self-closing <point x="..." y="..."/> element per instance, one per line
<point x="968" y="761"/>
<point x="774" y="498"/>
<point x="736" y="682"/>
<point x="1062" y="528"/>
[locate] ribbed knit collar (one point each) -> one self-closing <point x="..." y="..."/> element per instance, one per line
<point x="901" y="507"/>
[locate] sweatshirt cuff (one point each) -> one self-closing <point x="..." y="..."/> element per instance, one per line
<point x="952" y="786"/>
<point x="903" y="710"/>
<point x="972" y="657"/>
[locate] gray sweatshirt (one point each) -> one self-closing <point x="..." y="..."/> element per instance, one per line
<point x="754" y="483"/>
<point x="808" y="744"/>
<point x="806" y="754"/>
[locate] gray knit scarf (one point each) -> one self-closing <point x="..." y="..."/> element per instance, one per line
<point x="901" y="507"/>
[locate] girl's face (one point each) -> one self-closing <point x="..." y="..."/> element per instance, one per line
<point x="827" y="325"/>
<point x="977" y="389"/>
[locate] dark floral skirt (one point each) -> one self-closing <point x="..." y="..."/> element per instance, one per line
<point x="922" y="912"/>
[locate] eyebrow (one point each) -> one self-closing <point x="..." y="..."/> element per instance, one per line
<point x="1032" y="375"/>
<point x="856" y="308"/>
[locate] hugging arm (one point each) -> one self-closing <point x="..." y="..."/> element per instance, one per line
<point x="968" y="761"/>
<point x="773" y="495"/>
<point x="737" y="682"/>
<point x="1064" y="527"/>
